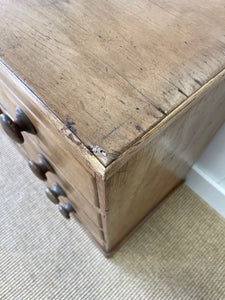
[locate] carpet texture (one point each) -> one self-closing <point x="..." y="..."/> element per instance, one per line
<point x="179" y="253"/>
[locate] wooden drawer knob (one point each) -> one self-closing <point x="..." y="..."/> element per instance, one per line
<point x="54" y="194"/>
<point x="41" y="168"/>
<point x="66" y="210"/>
<point x="14" y="128"/>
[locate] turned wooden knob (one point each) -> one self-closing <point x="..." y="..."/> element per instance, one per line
<point x="66" y="210"/>
<point x="54" y="194"/>
<point x="14" y="128"/>
<point x="41" y="168"/>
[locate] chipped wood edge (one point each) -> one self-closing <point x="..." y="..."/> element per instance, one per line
<point x="164" y="123"/>
<point x="82" y="154"/>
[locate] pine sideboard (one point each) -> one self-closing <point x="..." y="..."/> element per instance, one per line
<point x="111" y="102"/>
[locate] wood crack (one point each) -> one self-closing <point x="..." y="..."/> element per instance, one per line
<point x="137" y="90"/>
<point x="178" y="89"/>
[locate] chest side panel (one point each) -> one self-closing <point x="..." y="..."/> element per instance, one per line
<point x="150" y="174"/>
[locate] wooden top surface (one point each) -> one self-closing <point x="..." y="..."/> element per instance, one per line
<point x="111" y="70"/>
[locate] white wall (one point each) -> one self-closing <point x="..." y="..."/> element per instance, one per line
<point x="207" y="176"/>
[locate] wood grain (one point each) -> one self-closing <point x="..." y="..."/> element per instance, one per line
<point x="113" y="69"/>
<point x="52" y="142"/>
<point x="150" y="135"/>
<point x="13" y="92"/>
<point x="152" y="172"/>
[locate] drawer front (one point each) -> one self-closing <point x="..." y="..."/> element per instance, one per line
<point x="50" y="139"/>
<point x="30" y="151"/>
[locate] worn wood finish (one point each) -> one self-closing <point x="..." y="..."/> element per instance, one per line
<point x="13" y="92"/>
<point x="152" y="172"/>
<point x="150" y="135"/>
<point x="50" y="140"/>
<point x="129" y="63"/>
<point x="124" y="96"/>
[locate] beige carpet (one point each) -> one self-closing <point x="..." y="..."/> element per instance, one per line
<point x="179" y="253"/>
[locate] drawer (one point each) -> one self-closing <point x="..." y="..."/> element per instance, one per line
<point x="49" y="138"/>
<point x="30" y="151"/>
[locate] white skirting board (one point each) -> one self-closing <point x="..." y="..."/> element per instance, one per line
<point x="207" y="188"/>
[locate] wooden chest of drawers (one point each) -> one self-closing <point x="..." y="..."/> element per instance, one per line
<point x="111" y="102"/>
